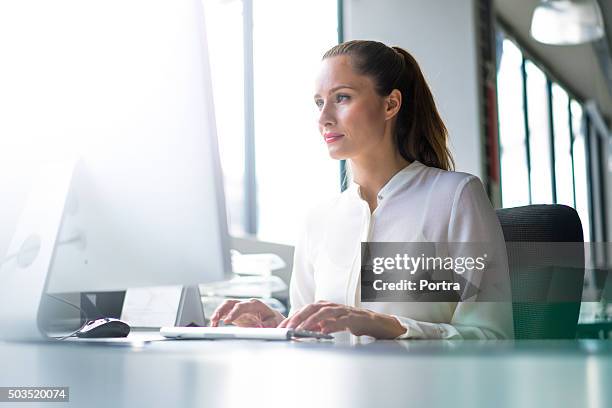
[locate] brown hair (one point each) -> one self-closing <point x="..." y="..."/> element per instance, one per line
<point x="420" y="133"/>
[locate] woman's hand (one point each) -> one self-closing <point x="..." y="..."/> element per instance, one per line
<point x="330" y="317"/>
<point x="249" y="313"/>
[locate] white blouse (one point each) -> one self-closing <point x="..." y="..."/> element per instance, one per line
<point x="418" y="204"/>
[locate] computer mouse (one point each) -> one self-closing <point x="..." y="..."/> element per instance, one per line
<point x="105" y="327"/>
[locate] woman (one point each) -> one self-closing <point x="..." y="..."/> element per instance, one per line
<point x="377" y="112"/>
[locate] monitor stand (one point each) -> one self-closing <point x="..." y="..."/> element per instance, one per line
<point x="24" y="272"/>
<point x="190" y="311"/>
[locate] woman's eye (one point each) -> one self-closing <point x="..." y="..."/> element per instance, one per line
<point x="319" y="103"/>
<point x="341" y="97"/>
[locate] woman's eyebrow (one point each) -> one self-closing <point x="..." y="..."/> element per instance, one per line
<point x="334" y="89"/>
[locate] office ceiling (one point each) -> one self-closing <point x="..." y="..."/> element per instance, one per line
<point x="585" y="69"/>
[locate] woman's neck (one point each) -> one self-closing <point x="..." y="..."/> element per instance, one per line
<point x="372" y="173"/>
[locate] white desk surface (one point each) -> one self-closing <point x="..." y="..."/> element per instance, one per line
<point x="246" y="373"/>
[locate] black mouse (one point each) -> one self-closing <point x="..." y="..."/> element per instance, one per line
<point x="105" y="327"/>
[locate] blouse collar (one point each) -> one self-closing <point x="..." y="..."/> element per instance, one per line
<point x="396" y="182"/>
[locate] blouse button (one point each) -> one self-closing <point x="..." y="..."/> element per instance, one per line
<point x="380" y="197"/>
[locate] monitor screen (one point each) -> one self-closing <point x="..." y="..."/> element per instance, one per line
<point x="125" y="87"/>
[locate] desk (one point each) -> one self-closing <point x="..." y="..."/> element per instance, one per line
<point x="238" y="373"/>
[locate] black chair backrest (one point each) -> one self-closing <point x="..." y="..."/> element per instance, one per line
<point x="532" y="282"/>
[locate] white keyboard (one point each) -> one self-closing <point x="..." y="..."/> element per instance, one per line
<point x="233" y="332"/>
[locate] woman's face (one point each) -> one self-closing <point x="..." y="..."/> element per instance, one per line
<point x="352" y="116"/>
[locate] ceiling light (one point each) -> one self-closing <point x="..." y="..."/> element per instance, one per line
<point x="567" y="22"/>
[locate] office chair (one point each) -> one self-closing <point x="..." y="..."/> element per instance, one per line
<point x="541" y="272"/>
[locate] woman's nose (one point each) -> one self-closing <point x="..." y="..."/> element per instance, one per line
<point x="326" y="116"/>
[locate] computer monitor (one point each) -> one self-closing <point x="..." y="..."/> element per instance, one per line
<point x="114" y="102"/>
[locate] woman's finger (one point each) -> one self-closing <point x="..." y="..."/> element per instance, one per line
<point x="301" y="315"/>
<point x="305" y="313"/>
<point x="247" y="320"/>
<point x="222" y="311"/>
<point x="326" y="312"/>
<point x="334" y="325"/>
<point x="254" y="307"/>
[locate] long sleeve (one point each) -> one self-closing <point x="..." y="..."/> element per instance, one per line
<point x="473" y="221"/>
<point x="471" y="320"/>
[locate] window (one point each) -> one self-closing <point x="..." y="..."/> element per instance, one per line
<point x="293" y="167"/>
<point x="545" y="150"/>
<point x="514" y="165"/>
<point x="286" y="168"/>
<point x="539" y="135"/>
<point x="225" y="44"/>
<point x="564" y="178"/>
<point x="580" y="167"/>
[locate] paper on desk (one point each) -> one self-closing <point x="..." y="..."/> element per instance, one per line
<point x="256" y="264"/>
<point x="151" y="306"/>
<point x="245" y="286"/>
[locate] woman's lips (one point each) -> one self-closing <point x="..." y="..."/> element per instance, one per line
<point x="332" y="137"/>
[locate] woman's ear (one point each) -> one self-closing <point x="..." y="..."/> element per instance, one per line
<point x="393" y="104"/>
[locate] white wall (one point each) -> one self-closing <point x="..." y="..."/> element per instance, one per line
<point x="441" y="35"/>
